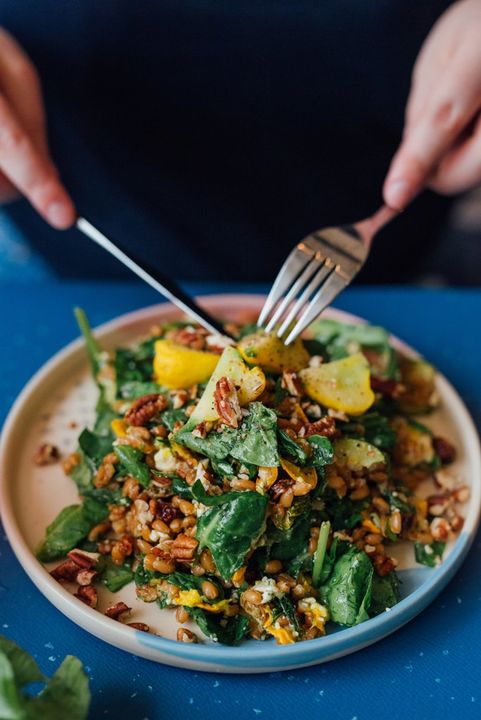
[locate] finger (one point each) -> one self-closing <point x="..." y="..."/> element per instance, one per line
<point x="21" y="86"/>
<point x="450" y="110"/>
<point x="31" y="171"/>
<point x="460" y="168"/>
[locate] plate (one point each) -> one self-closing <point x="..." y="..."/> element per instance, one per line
<point x="31" y="496"/>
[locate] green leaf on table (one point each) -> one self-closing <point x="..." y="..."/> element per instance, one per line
<point x="11" y="705"/>
<point x="25" y="669"/>
<point x="256" y="441"/>
<point x="228" y="631"/>
<point x="131" y="462"/>
<point x="347" y="593"/>
<point x="66" y="695"/>
<point x="231" y="529"/>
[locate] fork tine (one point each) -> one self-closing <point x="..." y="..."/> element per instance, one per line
<point x="319" y="277"/>
<point x="296" y="286"/>
<point x="335" y="283"/>
<point x="293" y="266"/>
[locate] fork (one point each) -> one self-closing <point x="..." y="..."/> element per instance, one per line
<point x="316" y="271"/>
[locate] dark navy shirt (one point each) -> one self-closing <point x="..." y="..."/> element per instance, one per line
<point x="211" y="136"/>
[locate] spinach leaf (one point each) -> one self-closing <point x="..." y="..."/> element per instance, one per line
<point x="105" y="415"/>
<point x="374" y="428"/>
<point x="337" y="337"/>
<point x="115" y="577"/>
<point x="135" y="389"/>
<point x="231" y="529"/>
<point x="384" y="594"/>
<point x="228" y="631"/>
<point x="348" y="591"/>
<point x="134" y="364"/>
<point x="93" y="348"/>
<point x="284" y="606"/>
<point x="180" y="487"/>
<point x="338" y="548"/>
<point x="322" y="451"/>
<point x="222" y="468"/>
<point x="216" y="445"/>
<point x="95" y="446"/>
<point x="301" y="506"/>
<point x="429" y="555"/>
<point x="83" y="472"/>
<point x="288" y="447"/>
<point x="343" y="512"/>
<point x="62" y="535"/>
<point x="320" y="554"/>
<point x="131" y="463"/>
<point x="199" y="493"/>
<point x="171" y="416"/>
<point x="256" y="441"/>
<point x="65" y="695"/>
<point x="94" y="511"/>
<point x="291" y="546"/>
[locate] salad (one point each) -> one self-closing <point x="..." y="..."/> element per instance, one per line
<point x="256" y="489"/>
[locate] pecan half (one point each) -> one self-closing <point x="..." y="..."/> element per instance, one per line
<point x="83" y="559"/>
<point x="194" y="338"/>
<point x="88" y="595"/>
<point x="227" y="403"/>
<point x="184" y="547"/>
<point x="145" y="408"/>
<point x="65" y="571"/>
<point x="387" y="387"/>
<point x="47" y="454"/>
<point x="446" y="451"/>
<point x="116" y="611"/>
<point x="139" y="626"/>
<point x="85" y="576"/>
<point x="326" y="427"/>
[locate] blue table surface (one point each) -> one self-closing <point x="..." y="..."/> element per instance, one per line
<point x="429" y="669"/>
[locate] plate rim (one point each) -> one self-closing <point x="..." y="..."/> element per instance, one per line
<point x="210" y="654"/>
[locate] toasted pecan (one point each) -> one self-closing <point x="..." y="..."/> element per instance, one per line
<point x="145" y="408"/>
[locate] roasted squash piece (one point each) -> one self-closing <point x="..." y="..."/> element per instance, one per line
<point x="343" y="385"/>
<point x="177" y="366"/>
<point x="269" y="352"/>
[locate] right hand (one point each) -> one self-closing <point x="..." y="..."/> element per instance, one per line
<point x="26" y="167"/>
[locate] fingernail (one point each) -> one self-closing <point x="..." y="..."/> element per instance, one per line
<point x="59" y="215"/>
<point x="397" y="194"/>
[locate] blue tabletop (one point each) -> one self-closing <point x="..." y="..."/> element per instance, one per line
<point x="426" y="670"/>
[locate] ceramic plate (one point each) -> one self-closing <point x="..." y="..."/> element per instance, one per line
<point x="30" y="497"/>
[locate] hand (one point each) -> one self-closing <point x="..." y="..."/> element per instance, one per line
<point x="25" y="164"/>
<point x="441" y="145"/>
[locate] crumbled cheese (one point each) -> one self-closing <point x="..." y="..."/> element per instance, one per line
<point x="201" y="474"/>
<point x="268" y="589"/>
<point x="164" y="460"/>
<point x="143" y="515"/>
<point x="218" y="340"/>
<point x="156" y="536"/>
